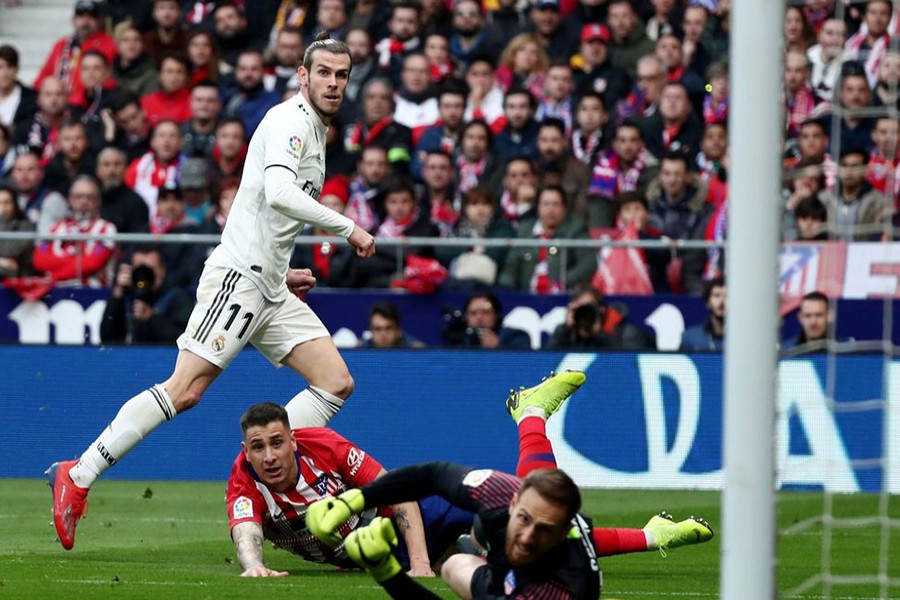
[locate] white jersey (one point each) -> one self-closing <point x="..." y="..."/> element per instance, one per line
<point x="258" y="239"/>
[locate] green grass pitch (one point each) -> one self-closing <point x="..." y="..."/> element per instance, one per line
<point x="165" y="540"/>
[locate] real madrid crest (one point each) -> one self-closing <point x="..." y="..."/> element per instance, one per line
<point x="218" y="343"/>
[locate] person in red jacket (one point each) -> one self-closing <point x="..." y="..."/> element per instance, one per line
<point x="87" y="262"/>
<point x="64" y="60"/>
<point x="173" y="99"/>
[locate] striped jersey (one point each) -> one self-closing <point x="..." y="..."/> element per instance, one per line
<point x="328" y="464"/>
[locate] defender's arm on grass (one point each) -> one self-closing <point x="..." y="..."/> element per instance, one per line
<point x="248" y="541"/>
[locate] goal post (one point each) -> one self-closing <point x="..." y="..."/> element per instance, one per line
<point x="755" y="128"/>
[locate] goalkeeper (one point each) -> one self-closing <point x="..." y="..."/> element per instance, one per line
<point x="537" y="543"/>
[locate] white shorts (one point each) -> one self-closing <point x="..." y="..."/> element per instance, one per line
<point x="231" y="311"/>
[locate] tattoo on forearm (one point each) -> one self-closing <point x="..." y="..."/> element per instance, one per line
<point x="401" y="520"/>
<point x="248" y="540"/>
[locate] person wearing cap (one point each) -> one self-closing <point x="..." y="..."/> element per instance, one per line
<point x="193" y="179"/>
<point x="184" y="262"/>
<point x="331" y="263"/>
<point x="628" y="38"/>
<point x="559" y="38"/>
<point x="593" y="69"/>
<point x="64" y="60"/>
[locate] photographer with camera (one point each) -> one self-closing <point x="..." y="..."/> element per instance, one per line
<point x="591" y="323"/>
<point x="480" y="325"/>
<point x="141" y="310"/>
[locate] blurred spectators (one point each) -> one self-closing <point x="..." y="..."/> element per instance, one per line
<point x="816" y="318"/>
<point x="385" y="329"/>
<point x="194" y="182"/>
<point x="39" y="134"/>
<point x="480" y="325"/>
<point x="173" y="99"/>
<point x="90" y="262"/>
<point x="184" y="262"/>
<point x="590" y="136"/>
<point x="231" y="34"/>
<point x="280" y="73"/>
<point x="120" y="205"/>
<point x="518" y="191"/>
<point x="64" y="60"/>
<point x="523" y="66"/>
<point x="709" y="335"/>
<point x="18" y="102"/>
<point x="133" y="69"/>
<point x="628" y="36"/>
<point x="404" y="28"/>
<point x="403" y="219"/>
<point x="591" y="323"/>
<point x="435" y="19"/>
<point x="855" y="210"/>
<point x="643" y="101"/>
<point x="7" y="153"/>
<point x="715" y="103"/>
<point x="884" y="160"/>
<point x="331" y="16"/>
<point x="142" y="308"/>
<point x="558" y="36"/>
<point x="42" y="206"/>
<point x="812" y="219"/>
<point x="669" y="51"/>
<point x="415" y="103"/>
<point x="73" y="158"/>
<point x="508" y="20"/>
<point x="625" y="167"/>
<point x="696" y="47"/>
<point x="485" y="100"/>
<point x="856" y="131"/>
<point x="802" y="181"/>
<point x="227" y="190"/>
<point x="125" y="125"/>
<point x="679" y="210"/>
<point x="377" y="126"/>
<point x="366" y="203"/>
<point x="203" y="56"/>
<point x="554" y="155"/>
<point x="476" y="265"/>
<point x="159" y="167"/>
<point x="199" y="133"/>
<point x="826" y="58"/>
<point x="798" y="34"/>
<point x="475" y="163"/>
<point x="886" y="87"/>
<point x="229" y="150"/>
<point x="168" y="34"/>
<point x="549" y="269"/>
<point x="594" y="71"/>
<point x="799" y="98"/>
<point x="364" y="68"/>
<point x="666" y="19"/>
<point x="519" y="136"/>
<point x="444" y="135"/>
<point x="470" y="38"/>
<point x="439" y="191"/>
<point x="558" y="102"/>
<point x="15" y="255"/>
<point x="812" y="145"/>
<point x="675" y="127"/>
<point x="869" y="45"/>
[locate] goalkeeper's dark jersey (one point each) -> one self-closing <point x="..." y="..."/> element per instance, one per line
<point x="570" y="570"/>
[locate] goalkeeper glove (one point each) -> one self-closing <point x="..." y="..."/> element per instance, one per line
<point x="372" y="548"/>
<point x="325" y="516"/>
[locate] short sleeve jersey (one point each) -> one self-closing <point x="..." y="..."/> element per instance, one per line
<point x="569" y="571"/>
<point x="328" y="465"/>
<point x="257" y="240"/>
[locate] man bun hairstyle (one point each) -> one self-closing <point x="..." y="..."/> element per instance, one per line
<point x="325" y="42"/>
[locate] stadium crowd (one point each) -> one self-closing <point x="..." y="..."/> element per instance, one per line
<point x="542" y="120"/>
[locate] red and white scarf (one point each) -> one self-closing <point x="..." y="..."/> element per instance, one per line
<point x="392" y="228"/>
<point x="541" y="283"/>
<point x="469" y="173"/>
<point x="359" y="206"/>
<point x="874" y="55"/>
<point x="390" y="46"/>
<point x="609" y="179"/>
<point x="584" y="145"/>
<point x="147" y="175"/>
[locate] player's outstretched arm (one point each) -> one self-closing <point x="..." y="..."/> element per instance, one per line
<point x="408" y="519"/>
<point x="248" y="541"/>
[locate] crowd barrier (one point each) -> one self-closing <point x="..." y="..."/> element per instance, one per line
<point x="642" y="420"/>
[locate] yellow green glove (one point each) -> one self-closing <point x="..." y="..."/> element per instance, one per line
<point x="325" y="516"/>
<point x="372" y="548"/>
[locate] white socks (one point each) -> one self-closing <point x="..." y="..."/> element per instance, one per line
<point x="136" y="419"/>
<point x="313" y="407"/>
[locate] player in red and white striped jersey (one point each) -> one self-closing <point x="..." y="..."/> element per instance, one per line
<point x="280" y="472"/>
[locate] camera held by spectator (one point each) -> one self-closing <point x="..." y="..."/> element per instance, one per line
<point x="480" y="325"/>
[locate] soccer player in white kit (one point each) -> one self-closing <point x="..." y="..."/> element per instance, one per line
<point x="246" y="291"/>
